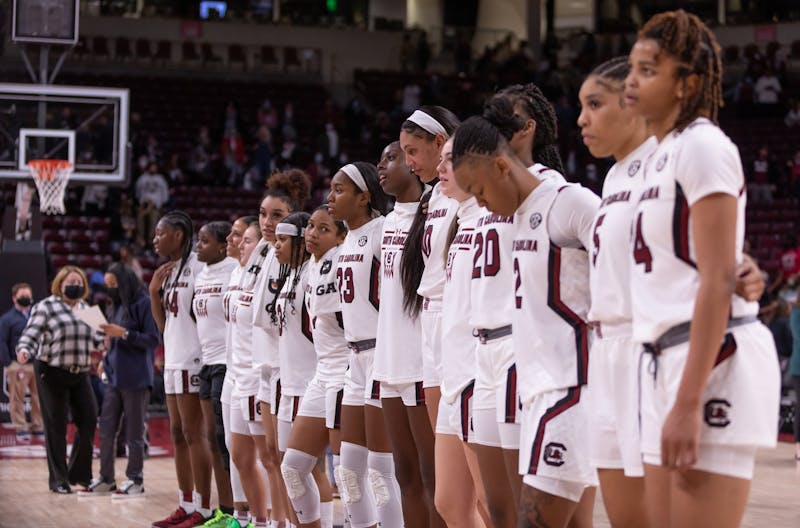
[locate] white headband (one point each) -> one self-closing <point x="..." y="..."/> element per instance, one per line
<point x="287" y="229"/>
<point x="428" y="123"/>
<point x="354" y="174"/>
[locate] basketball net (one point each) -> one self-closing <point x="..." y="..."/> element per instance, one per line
<point x="51" y="178"/>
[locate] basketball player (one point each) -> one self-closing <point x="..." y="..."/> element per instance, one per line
<point x="458" y="479"/>
<point x="247" y="431"/>
<point x="171" y="292"/>
<point x="297" y="356"/>
<point x="422" y="136"/>
<point x="552" y="224"/>
<point x="317" y="423"/>
<point x="209" y="287"/>
<point x="287" y="192"/>
<point x="367" y="466"/>
<point x="229" y="299"/>
<point x="528" y="121"/>
<point x="397" y="368"/>
<point x="711" y="386"/>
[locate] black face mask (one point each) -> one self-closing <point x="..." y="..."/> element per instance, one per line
<point x="24" y="301"/>
<point x="113" y="294"/>
<point x="73" y="291"/>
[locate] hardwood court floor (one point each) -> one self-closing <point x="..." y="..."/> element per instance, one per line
<point x="25" y="500"/>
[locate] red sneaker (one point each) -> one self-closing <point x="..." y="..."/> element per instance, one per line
<point x="175" y="518"/>
<point x="192" y="520"/>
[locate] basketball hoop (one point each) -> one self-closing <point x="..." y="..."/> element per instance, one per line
<point x="51" y="177"/>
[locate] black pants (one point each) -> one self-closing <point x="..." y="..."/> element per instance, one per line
<point x="211" y="380"/>
<point x="61" y="392"/>
<point x="134" y="404"/>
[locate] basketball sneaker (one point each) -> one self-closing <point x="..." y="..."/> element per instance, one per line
<point x="221" y="520"/>
<point x="98" y="488"/>
<point x="129" y="490"/>
<point x="192" y="521"/>
<point x="174" y="519"/>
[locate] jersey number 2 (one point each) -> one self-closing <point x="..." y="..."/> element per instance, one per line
<point x="641" y="252"/>
<point x="488" y="247"/>
<point x="517" y="285"/>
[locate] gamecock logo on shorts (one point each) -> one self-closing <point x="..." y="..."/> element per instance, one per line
<point x="555" y="454"/>
<point x="717" y="413"/>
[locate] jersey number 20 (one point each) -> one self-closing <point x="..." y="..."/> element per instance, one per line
<point x="486" y="262"/>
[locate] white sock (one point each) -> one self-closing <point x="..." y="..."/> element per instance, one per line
<point x="188" y="507"/>
<point x="326" y="514"/>
<point x="198" y="506"/>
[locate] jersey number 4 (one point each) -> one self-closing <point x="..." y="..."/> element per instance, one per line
<point x="347" y="291"/>
<point x="486" y="261"/>
<point x="641" y="252"/>
<point x="171" y="304"/>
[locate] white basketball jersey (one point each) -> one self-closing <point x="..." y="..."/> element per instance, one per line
<point x="298" y="359"/>
<point x="322" y="303"/>
<point x="492" y="270"/>
<point x="358" y="280"/>
<point x="441" y="211"/>
<point x="551" y="288"/>
<point x="247" y="378"/>
<point x="181" y="343"/>
<point x="685" y="168"/>
<point x="458" y="343"/>
<point x="209" y="288"/>
<point x="229" y="300"/>
<point x="265" y="333"/>
<point x="398" y="353"/>
<point x="609" y="253"/>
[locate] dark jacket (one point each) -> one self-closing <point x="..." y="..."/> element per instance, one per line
<point x="11" y="325"/>
<point x="129" y="362"/>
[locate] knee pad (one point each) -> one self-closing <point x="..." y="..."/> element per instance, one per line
<point x="300" y="485"/>
<point x="379" y="488"/>
<point x="349" y="485"/>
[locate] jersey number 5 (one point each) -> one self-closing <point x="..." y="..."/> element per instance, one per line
<point x="641" y="252"/>
<point x="426" y="241"/>
<point x="596" y="238"/>
<point x="488" y="247"/>
<point x="346" y="289"/>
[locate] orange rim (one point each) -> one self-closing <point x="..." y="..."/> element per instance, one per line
<point x="46" y="169"/>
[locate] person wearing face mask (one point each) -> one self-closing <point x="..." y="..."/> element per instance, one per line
<point x="20" y="376"/>
<point x="62" y="344"/>
<point x="131" y="339"/>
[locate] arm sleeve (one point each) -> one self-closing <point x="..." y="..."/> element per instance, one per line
<point x="708" y="163"/>
<point x="31" y="336"/>
<point x="144" y="334"/>
<point x="571" y="217"/>
<point x="5" y="342"/>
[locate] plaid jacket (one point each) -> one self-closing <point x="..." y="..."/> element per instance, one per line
<point x="57" y="337"/>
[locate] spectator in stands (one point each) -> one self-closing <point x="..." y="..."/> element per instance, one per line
<point x="233" y="155"/>
<point x="328" y="143"/>
<point x="127" y="220"/>
<point x="231" y="119"/>
<point x="793" y="175"/>
<point x="175" y="175"/>
<point x="792" y="118"/>
<point x="201" y="156"/>
<point x="19" y="377"/>
<point x="127" y="257"/>
<point x="318" y="171"/>
<point x="153" y="150"/>
<point x="355" y="119"/>
<point x="93" y="201"/>
<point x="407" y="53"/>
<point x="131" y="339"/>
<point x="288" y="131"/>
<point x="268" y="116"/>
<point x="262" y="155"/>
<point x="423" y="52"/>
<point x="762" y="177"/>
<point x="768" y="88"/>
<point x="411" y="95"/>
<point x="62" y="345"/>
<point x="152" y="193"/>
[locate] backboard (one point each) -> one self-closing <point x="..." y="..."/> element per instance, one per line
<point x="85" y="125"/>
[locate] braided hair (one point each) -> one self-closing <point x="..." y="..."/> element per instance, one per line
<point x="612" y="74"/>
<point x="536" y="105"/>
<point x="686" y="38"/>
<point x="181" y="221"/>
<point x="478" y="136"/>
<point x="299" y="256"/>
